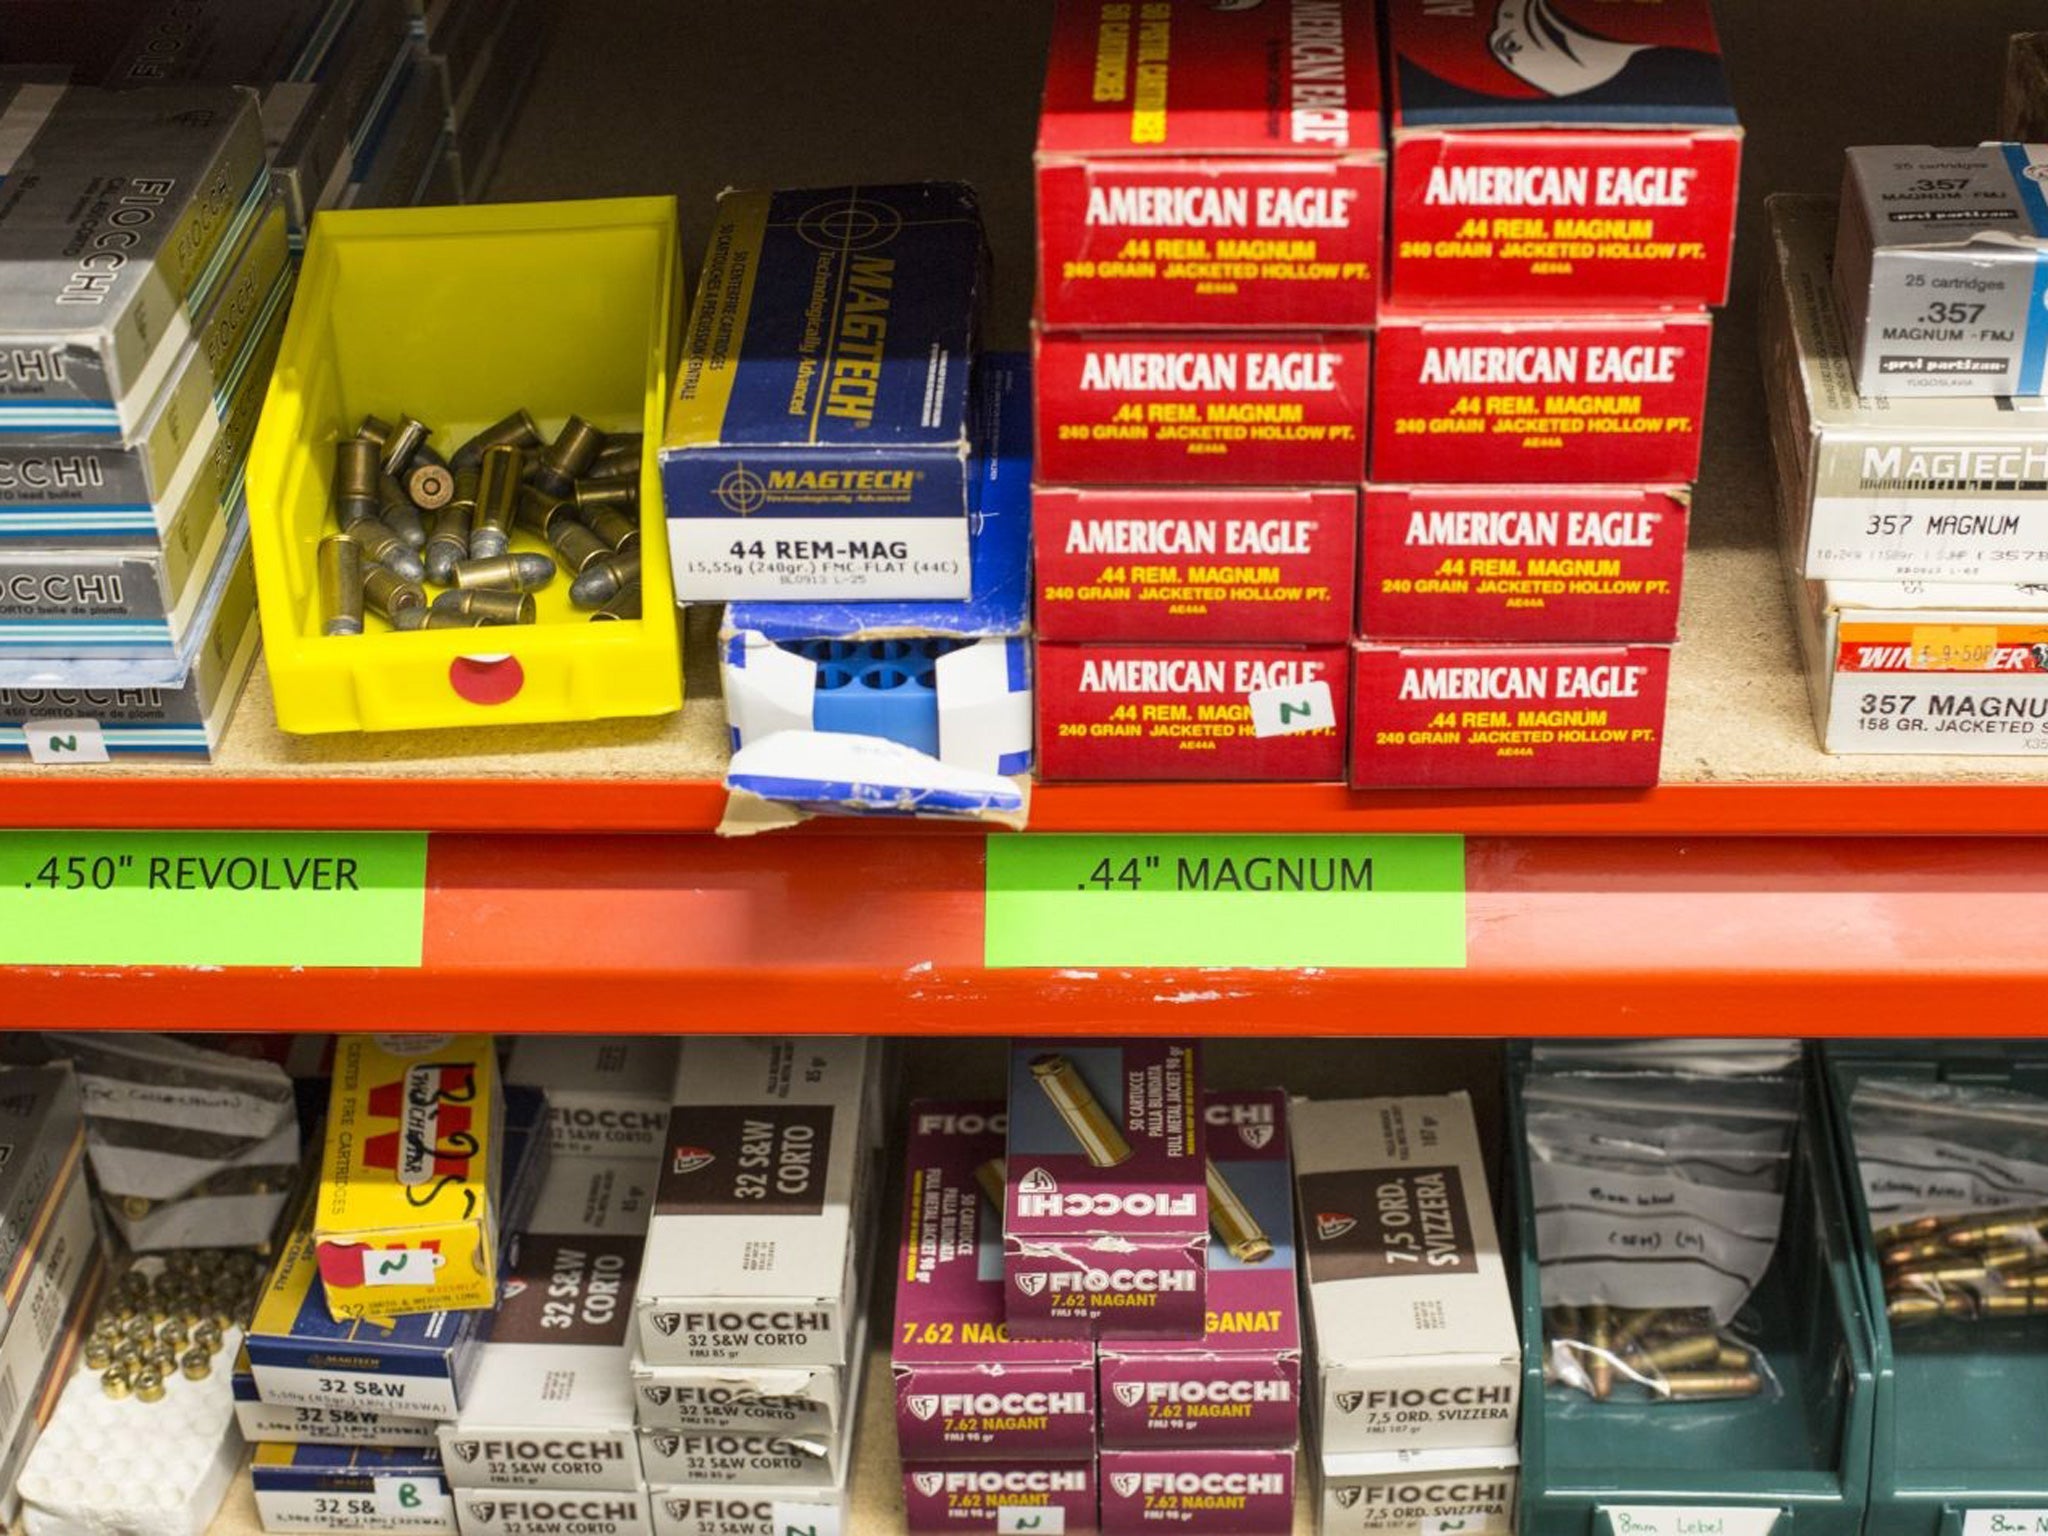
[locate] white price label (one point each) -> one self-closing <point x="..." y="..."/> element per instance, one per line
<point x="407" y="1499"/>
<point x="65" y="741"/>
<point x="1460" y="1525"/>
<point x="1030" y="1520"/>
<point x="400" y="1266"/>
<point x="1691" y="1519"/>
<point x="2005" y="1522"/>
<point x="1291" y="711"/>
<point x="793" y="1519"/>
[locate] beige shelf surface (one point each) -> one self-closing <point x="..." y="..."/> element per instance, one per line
<point x="636" y="98"/>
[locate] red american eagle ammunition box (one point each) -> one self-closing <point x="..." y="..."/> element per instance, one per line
<point x="1567" y="153"/>
<point x="1191" y="711"/>
<point x="1496" y="716"/>
<point x="1190" y="409"/>
<point x="1211" y="165"/>
<point x="1251" y="565"/>
<point x="1522" y="563"/>
<point x="1539" y="400"/>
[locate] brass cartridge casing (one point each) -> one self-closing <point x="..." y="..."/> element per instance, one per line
<point x="1600" y="1350"/>
<point x="616" y="528"/>
<point x="596" y="491"/>
<point x="568" y="458"/>
<point x="391" y="596"/>
<point x="1695" y="1384"/>
<point x="602" y="580"/>
<point x="375" y="429"/>
<point x="619" y="456"/>
<point x="486" y="606"/>
<point x="405" y="438"/>
<point x="577" y="545"/>
<point x="514" y="431"/>
<point x="384" y="547"/>
<point x="505" y="573"/>
<point x="1908" y="1231"/>
<point x="448" y="546"/>
<point x="1700" y="1349"/>
<point x="399" y="514"/>
<point x="1060" y="1081"/>
<point x="356" y="472"/>
<point x="429" y="481"/>
<point x="339" y="568"/>
<point x="497" y="502"/>
<point x="622" y="605"/>
<point x="539" y="513"/>
<point x="1232" y="1220"/>
<point x="993" y="1177"/>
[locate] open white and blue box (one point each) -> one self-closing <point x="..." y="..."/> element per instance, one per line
<point x="919" y="708"/>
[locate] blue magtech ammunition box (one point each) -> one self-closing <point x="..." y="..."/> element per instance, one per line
<point x="817" y="444"/>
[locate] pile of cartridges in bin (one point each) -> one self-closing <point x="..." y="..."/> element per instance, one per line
<point x="1982" y="1265"/>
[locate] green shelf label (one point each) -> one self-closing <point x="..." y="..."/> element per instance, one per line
<point x="313" y="899"/>
<point x="1282" y="901"/>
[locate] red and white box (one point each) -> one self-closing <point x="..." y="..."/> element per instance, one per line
<point x="1526" y="563"/>
<point x="1192" y="564"/>
<point x="1507" y="716"/>
<point x="1560" y="153"/>
<point x="1122" y="712"/>
<point x="1539" y="399"/>
<point x="1211" y="166"/>
<point x="1157" y="408"/>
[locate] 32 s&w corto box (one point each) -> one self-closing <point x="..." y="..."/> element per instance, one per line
<point x="966" y="1389"/>
<point x="1181" y="711"/>
<point x="1204" y="165"/>
<point x="1259" y="565"/>
<point x="1528" y="399"/>
<point x="1569" y="153"/>
<point x="1462" y="716"/>
<point x="1106" y="1214"/>
<point x="1522" y="563"/>
<point x="1238" y="1383"/>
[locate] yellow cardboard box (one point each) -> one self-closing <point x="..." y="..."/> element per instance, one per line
<point x="406" y="1219"/>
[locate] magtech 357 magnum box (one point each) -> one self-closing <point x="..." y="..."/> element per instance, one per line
<point x="1523" y="563"/>
<point x="1239" y="1383"/>
<point x="1413" y="1332"/>
<point x="1277" y="408"/>
<point x="1539" y="400"/>
<point x="1228" y="1492"/>
<point x="1460" y="716"/>
<point x="1253" y="565"/>
<point x="817" y="443"/>
<point x="1569" y="153"/>
<point x="1106" y="1220"/>
<point x="1192" y="711"/>
<point x="994" y="1498"/>
<point x="966" y="1389"/>
<point x="1205" y="165"/>
<point x="1935" y="489"/>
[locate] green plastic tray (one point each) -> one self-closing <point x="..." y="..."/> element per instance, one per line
<point x="1962" y="1408"/>
<point x="1803" y="1455"/>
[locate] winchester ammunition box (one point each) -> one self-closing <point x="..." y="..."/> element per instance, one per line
<point x="1567" y="154"/>
<point x="1522" y="562"/>
<point x="607" y="1094"/>
<point x="753" y="1256"/>
<point x="1463" y="716"/>
<point x="1273" y="408"/>
<point x="1211" y="166"/>
<point x="810" y="1403"/>
<point x="748" y="1511"/>
<point x="116" y="223"/>
<point x="1413" y="1333"/>
<point x="966" y="1389"/>
<point x="1529" y="399"/>
<point x="1230" y="1492"/>
<point x="1419" y="1493"/>
<point x="1199" y="565"/>
<point x="1106" y="1215"/>
<point x="260" y="1422"/>
<point x="1180" y="711"/>
<point x="43" y="1135"/>
<point x="1941" y="267"/>
<point x="551" y="1404"/>
<point x="1238" y="1385"/>
<point x="1926" y="489"/>
<point x="94" y="710"/>
<point x="817" y="442"/>
<point x="322" y="1488"/>
<point x="407" y="1218"/>
<point x="551" y="1512"/>
<point x="999" y="1496"/>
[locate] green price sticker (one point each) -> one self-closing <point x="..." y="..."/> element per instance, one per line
<point x="312" y="899"/>
<point x="1265" y="901"/>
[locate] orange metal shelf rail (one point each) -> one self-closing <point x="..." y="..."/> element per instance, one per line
<point x="883" y="934"/>
<point x="695" y="805"/>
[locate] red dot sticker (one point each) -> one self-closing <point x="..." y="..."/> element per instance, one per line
<point x="486" y="679"/>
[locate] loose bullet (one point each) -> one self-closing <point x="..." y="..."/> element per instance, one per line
<point x="506" y="573"/>
<point x="601" y="580"/>
<point x="340" y="572"/>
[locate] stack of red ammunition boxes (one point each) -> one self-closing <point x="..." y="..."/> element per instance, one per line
<point x="1562" y="211"/>
<point x="1211" y="198"/>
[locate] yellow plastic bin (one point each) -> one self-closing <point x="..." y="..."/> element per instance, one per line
<point x="456" y="316"/>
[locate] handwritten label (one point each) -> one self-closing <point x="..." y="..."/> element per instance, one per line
<point x="400" y="1266"/>
<point x="300" y="899"/>
<point x="1264" y="901"/>
<point x="1030" y="1520"/>
<point x="1692" y="1519"/>
<point x="1292" y="711"/>
<point x="410" y="1499"/>
<point x="2005" y="1522"/>
<point x="65" y="741"/>
<point x="792" y="1519"/>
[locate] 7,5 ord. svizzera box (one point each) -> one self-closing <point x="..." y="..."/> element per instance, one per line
<point x="1560" y="153"/>
<point x="1419" y="1493"/>
<point x="1413" y="1332"/>
<point x="966" y="1387"/>
<point x="753" y="1255"/>
<point x="817" y="442"/>
<point x="1106" y="1214"/>
<point x="1211" y="166"/>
